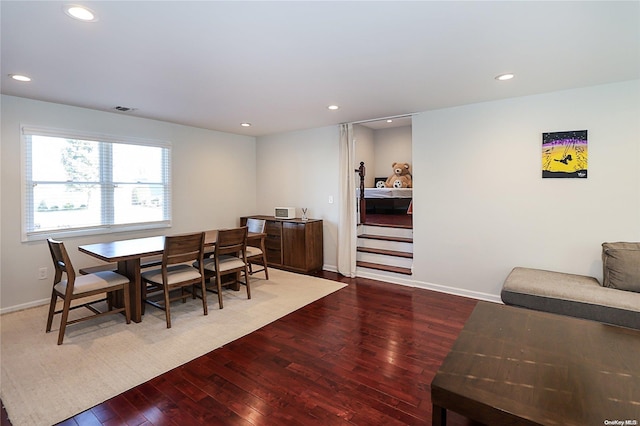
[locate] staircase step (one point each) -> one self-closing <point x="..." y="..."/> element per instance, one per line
<point x="385" y="245"/>
<point x="383" y="259"/>
<point x="385" y="230"/>
<point x="386" y="238"/>
<point x="396" y="269"/>
<point x="386" y="252"/>
<point x="389" y="225"/>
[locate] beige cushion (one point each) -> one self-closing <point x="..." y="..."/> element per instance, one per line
<point x="226" y="263"/>
<point x="91" y="282"/>
<point x="621" y="266"/>
<point x="571" y="287"/>
<point x="175" y="274"/>
<point x="253" y="251"/>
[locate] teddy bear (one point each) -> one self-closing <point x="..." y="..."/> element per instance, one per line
<point x="401" y="177"/>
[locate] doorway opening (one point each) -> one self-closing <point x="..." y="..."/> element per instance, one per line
<point x="385" y="199"/>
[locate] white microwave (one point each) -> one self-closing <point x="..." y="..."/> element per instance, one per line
<point x="285" y="212"/>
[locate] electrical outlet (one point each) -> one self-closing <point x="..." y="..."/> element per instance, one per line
<point x="330" y="199"/>
<point x="42" y="273"/>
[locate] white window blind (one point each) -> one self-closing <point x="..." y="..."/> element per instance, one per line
<point x="81" y="183"/>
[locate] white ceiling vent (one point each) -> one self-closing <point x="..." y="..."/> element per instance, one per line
<point x="124" y="109"/>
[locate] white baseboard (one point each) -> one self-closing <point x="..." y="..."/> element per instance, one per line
<point x="389" y="277"/>
<point x="24" y="306"/>
<point x="394" y="279"/>
<point x="330" y="268"/>
<point x="460" y="292"/>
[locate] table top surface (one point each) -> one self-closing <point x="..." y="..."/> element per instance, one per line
<point x="121" y="250"/>
<point x="540" y="368"/>
<point x="279" y="219"/>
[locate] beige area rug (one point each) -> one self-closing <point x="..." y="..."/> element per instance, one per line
<point x="43" y="383"/>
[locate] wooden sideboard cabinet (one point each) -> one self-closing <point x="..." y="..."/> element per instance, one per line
<point x="293" y="244"/>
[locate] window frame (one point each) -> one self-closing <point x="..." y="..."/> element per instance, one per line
<point x="106" y="179"/>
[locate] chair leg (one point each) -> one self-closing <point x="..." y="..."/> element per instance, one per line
<point x="204" y="296"/>
<point x="246" y="280"/>
<point x="63" y="320"/>
<point x="167" y="304"/>
<point x="52" y="310"/>
<point x="127" y="302"/>
<point x="219" y="285"/>
<point x="264" y="264"/>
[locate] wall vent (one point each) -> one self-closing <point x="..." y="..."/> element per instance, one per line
<point x="124" y="109"/>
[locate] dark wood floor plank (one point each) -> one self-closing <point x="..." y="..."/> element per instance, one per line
<point x="364" y="355"/>
<point x="127" y="413"/>
<point x="246" y="405"/>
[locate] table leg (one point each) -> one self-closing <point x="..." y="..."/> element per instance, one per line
<point x="236" y="285"/>
<point x="131" y="269"/>
<point x="438" y="416"/>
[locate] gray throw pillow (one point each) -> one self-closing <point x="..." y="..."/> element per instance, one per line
<point x="621" y="266"/>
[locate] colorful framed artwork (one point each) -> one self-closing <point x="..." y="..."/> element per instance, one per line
<point x="564" y="154"/>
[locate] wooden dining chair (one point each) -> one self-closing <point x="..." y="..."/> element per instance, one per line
<point x="229" y="257"/>
<point x="82" y="286"/>
<point x="177" y="273"/>
<point x="256" y="249"/>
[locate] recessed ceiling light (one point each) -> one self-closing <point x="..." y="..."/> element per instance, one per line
<point x="245" y="124"/>
<point x="389" y="121"/>
<point x="504" y="77"/>
<point x="333" y="107"/>
<point x="80" y="12"/>
<point x="19" y="77"/>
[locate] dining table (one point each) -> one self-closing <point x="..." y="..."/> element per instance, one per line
<point x="129" y="255"/>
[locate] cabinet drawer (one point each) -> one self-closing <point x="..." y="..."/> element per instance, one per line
<point x="272" y="243"/>
<point x="274" y="256"/>
<point x="274" y="228"/>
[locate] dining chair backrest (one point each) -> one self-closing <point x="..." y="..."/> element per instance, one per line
<point x="256" y="250"/>
<point x="232" y="241"/>
<point x="62" y="264"/>
<point x="183" y="248"/>
<point x="256" y="225"/>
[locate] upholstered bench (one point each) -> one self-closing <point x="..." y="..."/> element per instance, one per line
<point x="617" y="301"/>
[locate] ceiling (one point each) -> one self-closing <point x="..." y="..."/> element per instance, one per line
<point x="278" y="65"/>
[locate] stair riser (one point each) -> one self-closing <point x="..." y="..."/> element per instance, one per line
<point x="385" y="245"/>
<point x="382" y="230"/>
<point x="384" y="276"/>
<point x="385" y="259"/>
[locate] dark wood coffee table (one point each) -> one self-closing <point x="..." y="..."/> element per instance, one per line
<point x="514" y="366"/>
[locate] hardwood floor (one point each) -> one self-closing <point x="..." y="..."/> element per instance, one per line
<point x="364" y="355"/>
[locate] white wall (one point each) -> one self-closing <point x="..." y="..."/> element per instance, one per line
<point x="300" y="169"/>
<point x="213" y="173"/>
<point x="393" y="145"/>
<point x="481" y="206"/>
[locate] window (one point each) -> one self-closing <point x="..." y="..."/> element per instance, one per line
<point x="77" y="183"/>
